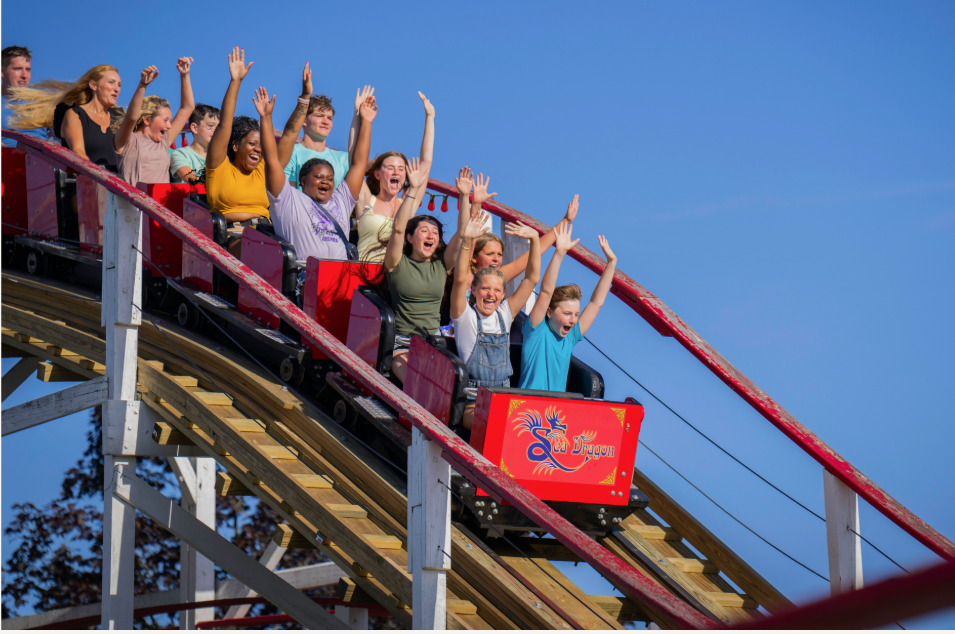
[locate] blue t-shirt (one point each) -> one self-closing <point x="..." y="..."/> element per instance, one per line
<point x="302" y="155"/>
<point x="545" y="356"/>
<point x="40" y="133"/>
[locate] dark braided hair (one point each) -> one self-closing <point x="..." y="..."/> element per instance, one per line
<point x="241" y="127"/>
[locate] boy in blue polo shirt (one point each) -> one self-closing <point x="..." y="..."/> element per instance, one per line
<point x="556" y="323"/>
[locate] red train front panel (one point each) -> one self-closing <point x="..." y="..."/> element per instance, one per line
<point x="262" y="254"/>
<point x="328" y="289"/>
<point x="162" y="247"/>
<point x="90" y="208"/>
<point x="568" y="450"/>
<point x="14" y="191"/>
<point x="196" y="267"/>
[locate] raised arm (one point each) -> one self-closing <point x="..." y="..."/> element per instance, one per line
<point x="274" y="170"/>
<point x="427" y="141"/>
<point x="186" y="102"/>
<point x="473" y="228"/>
<point x="356" y="173"/>
<point x="418" y="175"/>
<point x="480" y="195"/>
<point x="533" y="273"/>
<point x="295" y="121"/>
<point x="219" y="144"/>
<point x="464" y="184"/>
<point x="128" y="125"/>
<point x="360" y="95"/>
<point x="603" y="287"/>
<point x="563" y="244"/>
<point x="513" y="269"/>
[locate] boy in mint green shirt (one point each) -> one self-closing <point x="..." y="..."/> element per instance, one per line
<point x="318" y="125"/>
<point x="186" y="163"/>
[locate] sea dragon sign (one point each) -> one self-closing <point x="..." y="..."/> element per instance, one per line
<point x="566" y="449"/>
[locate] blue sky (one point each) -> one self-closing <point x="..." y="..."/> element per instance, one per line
<point x="781" y="174"/>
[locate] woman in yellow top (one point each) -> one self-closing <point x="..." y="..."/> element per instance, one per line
<point x="235" y="172"/>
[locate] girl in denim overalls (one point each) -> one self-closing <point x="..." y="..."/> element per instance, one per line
<point x="482" y="329"/>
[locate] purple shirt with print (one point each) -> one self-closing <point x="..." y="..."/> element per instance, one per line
<point x="298" y="220"/>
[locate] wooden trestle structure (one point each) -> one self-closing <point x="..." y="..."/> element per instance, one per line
<point x="169" y="391"/>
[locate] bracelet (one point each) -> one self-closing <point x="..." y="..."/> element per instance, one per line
<point x="406" y="196"/>
<point x="465" y="248"/>
<point x="304" y="100"/>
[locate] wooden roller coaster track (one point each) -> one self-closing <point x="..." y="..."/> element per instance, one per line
<point x="298" y="461"/>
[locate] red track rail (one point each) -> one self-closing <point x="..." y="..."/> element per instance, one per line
<point x="667" y="323"/>
<point x="455" y="450"/>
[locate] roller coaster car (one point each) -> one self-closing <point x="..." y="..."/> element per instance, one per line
<point x="163" y="250"/>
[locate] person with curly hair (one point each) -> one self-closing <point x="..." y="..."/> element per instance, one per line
<point x="188" y="164"/>
<point x="17" y="69"/>
<point x="235" y="172"/>
<point x="143" y="139"/>
<point x="314" y="218"/>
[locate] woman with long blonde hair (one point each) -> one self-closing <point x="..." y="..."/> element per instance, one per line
<point x="83" y="113"/>
<point x="143" y="139"/>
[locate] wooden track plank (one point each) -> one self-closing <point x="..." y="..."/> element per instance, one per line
<point x="227" y="485"/>
<point x="49" y="373"/>
<point x="349" y="510"/>
<point x="620" y="608"/>
<point x="287" y="537"/>
<point x="654" y="533"/>
<point x="246" y="425"/>
<point x="166" y="434"/>
<point x="741" y="573"/>
<point x="690" y="564"/>
<point x="578" y="605"/>
<point x="733" y="600"/>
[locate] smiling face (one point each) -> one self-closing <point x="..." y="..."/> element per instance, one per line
<point x="106" y="90"/>
<point x="564" y="316"/>
<point x="319" y="183"/>
<point x="488" y="293"/>
<point x="17" y="73"/>
<point x="156" y="126"/>
<point x="392" y="175"/>
<point x="424" y="240"/>
<point x="248" y="151"/>
<point x="318" y="123"/>
<point x="490" y="256"/>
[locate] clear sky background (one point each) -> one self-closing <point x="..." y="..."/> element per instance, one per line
<point x="780" y="174"/>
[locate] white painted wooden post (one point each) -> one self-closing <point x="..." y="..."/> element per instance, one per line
<point x="429" y="532"/>
<point x="514" y="248"/>
<point x="122" y="286"/>
<point x="197" y="478"/>
<point x="355" y="618"/>
<point x="845" y="547"/>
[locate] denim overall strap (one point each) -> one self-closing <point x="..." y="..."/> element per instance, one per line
<point x="490" y="362"/>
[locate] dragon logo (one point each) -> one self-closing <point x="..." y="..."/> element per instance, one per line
<point x="542" y="451"/>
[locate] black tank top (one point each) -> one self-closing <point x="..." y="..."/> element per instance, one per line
<point x="99" y="144"/>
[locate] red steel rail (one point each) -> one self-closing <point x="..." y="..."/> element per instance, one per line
<point x="667" y="323"/>
<point x="455" y="450"/>
<point x="892" y="600"/>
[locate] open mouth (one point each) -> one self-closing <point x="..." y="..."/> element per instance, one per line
<point x="489" y="306"/>
<point x="254" y="158"/>
<point x="429" y="245"/>
<point x="565" y="330"/>
<point x="395" y="183"/>
<point x="324" y="189"/>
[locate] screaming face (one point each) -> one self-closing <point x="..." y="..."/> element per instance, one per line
<point x="488" y="293"/>
<point x="319" y="183"/>
<point x="248" y="151"/>
<point x="424" y="241"/>
<point x="563" y="317"/>
<point x="392" y="175"/>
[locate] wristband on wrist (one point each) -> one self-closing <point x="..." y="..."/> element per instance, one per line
<point x="303" y="100"/>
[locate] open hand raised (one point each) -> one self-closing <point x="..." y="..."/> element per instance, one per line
<point x="263" y="104"/>
<point x="463" y="182"/>
<point x="238" y="69"/>
<point x="418" y="173"/>
<point x="520" y="230"/>
<point x="476" y="226"/>
<point x="148" y="75"/>
<point x="307" y="81"/>
<point x="183" y="65"/>
<point x="480" y="189"/>
<point x="368" y="110"/>
<point x="571" y="210"/>
<point x="606" y="248"/>
<point x="428" y="108"/>
<point x="564" y="242"/>
<point x="361" y="94"/>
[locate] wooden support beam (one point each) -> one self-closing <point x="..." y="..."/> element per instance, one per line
<point x="46" y="408"/>
<point x="665" y="533"/>
<point x="49" y="373"/>
<point x="19" y="373"/>
<point x="348" y="590"/>
<point x="620" y="608"/>
<point x="270" y="559"/>
<point x="845" y="547"/>
<point x="166" y="434"/>
<point x="135" y="492"/>
<point x="227" y="485"/>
